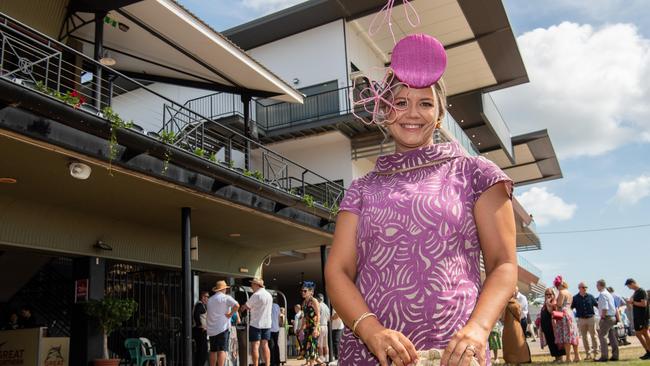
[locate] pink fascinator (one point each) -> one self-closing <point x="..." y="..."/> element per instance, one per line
<point x="419" y="60"/>
<point x="557" y="281"/>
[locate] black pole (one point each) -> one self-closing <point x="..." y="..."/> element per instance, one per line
<point x="99" y="49"/>
<point x="186" y="234"/>
<point x="323" y="260"/>
<point x="246" y="100"/>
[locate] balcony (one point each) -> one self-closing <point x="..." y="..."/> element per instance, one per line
<point x="100" y="112"/>
<point x="525" y="264"/>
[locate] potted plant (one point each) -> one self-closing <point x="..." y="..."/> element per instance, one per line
<point x="110" y="313"/>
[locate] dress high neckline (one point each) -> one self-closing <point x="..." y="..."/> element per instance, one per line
<point x="422" y="156"/>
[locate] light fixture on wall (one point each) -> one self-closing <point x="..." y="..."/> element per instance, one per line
<point x="106" y="59"/>
<point x="7" y="180"/>
<point x="79" y="170"/>
<point x="102" y="246"/>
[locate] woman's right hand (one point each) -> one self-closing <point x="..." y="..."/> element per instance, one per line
<point x="388" y="345"/>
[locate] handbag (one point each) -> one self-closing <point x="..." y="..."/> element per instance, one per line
<point x="557" y="315"/>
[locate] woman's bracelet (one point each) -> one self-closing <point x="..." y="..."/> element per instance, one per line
<point x="359" y="319"/>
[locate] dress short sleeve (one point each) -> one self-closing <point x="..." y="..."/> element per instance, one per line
<point x="352" y="200"/>
<point x="485" y="174"/>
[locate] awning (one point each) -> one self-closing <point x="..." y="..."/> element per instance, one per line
<point x="535" y="159"/>
<point x="163" y="40"/>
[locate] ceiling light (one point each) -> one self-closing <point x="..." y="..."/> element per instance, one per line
<point x="102" y="246"/>
<point x="8" y="180"/>
<point x="79" y="170"/>
<point x="107" y="60"/>
<point x="123" y="27"/>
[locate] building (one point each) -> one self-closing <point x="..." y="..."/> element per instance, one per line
<point x="334" y="40"/>
<point x="220" y="147"/>
<point x="92" y="196"/>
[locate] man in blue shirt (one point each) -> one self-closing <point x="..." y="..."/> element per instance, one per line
<point x="584" y="305"/>
<point x="607" y="322"/>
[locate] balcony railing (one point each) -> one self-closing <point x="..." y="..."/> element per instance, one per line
<point x="37" y="62"/>
<point x="497" y="123"/>
<point x="452" y="127"/>
<point x="528" y="266"/>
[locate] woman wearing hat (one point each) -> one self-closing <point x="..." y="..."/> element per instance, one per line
<point x="404" y="269"/>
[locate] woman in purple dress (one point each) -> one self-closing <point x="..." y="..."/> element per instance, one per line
<point x="404" y="269"/>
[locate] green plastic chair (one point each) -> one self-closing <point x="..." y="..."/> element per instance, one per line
<point x="134" y="346"/>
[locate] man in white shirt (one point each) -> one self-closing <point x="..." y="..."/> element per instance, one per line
<point x="323" y="348"/>
<point x="260" y="305"/>
<point x="608" y="320"/>
<point x="220" y="308"/>
<point x="523" y="303"/>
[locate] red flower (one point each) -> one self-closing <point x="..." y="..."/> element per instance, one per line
<point x="74" y="93"/>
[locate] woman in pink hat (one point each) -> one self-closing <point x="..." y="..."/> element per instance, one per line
<point x="404" y="269"/>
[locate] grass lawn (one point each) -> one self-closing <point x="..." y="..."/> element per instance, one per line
<point x="629" y="356"/>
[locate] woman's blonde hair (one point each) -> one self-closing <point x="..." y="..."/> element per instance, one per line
<point x="564" y="285"/>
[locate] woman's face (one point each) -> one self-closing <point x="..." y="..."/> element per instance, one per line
<point x="415" y="118"/>
<point x="306" y="293"/>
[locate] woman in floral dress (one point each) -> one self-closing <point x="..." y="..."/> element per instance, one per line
<point x="566" y="329"/>
<point x="310" y="323"/>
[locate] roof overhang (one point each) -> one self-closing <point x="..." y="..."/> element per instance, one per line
<point x="116" y="193"/>
<point x="163" y="40"/>
<point x="482" y="50"/>
<point x="477" y="114"/>
<point x="535" y="159"/>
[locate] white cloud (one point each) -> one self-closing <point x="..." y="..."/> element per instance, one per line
<point x="588" y="86"/>
<point x="269" y="6"/>
<point x="546" y="207"/>
<point x="631" y="192"/>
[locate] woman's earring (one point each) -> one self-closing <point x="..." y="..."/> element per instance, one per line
<point x="436" y="136"/>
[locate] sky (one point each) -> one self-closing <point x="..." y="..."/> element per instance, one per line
<point x="588" y="62"/>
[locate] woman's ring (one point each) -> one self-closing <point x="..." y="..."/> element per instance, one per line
<point x="471" y="348"/>
<point x="388" y="349"/>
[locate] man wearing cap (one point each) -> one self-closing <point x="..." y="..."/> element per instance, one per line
<point x="260" y="305"/>
<point x="584" y="304"/>
<point x="220" y="309"/>
<point x="639" y="302"/>
<point x="606" y="329"/>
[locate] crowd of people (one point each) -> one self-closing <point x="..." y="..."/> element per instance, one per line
<point x="215" y="318"/>
<point x="601" y="322"/>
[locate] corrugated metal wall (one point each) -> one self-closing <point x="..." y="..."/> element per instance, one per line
<point x="45" y="15"/>
<point x="55" y="229"/>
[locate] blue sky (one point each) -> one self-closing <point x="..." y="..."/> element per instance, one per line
<point x="589" y="66"/>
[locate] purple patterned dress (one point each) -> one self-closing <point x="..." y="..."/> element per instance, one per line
<point x="418" y="252"/>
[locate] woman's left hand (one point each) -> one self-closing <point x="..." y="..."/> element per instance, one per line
<point x="468" y="342"/>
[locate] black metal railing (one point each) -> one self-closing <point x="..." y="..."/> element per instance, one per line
<point x="158" y="317"/>
<point x="271" y="115"/>
<point x="35" y="61"/>
<point x="50" y="294"/>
